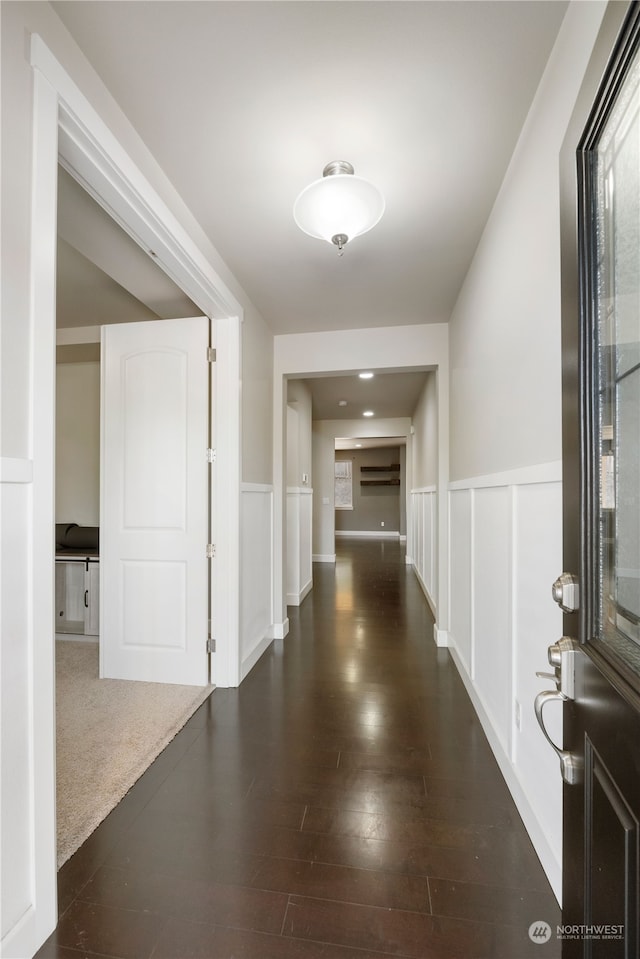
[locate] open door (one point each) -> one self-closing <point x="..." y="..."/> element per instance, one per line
<point x="154" y="501"/>
<point x="598" y="660"/>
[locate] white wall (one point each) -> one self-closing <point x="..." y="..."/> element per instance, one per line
<point x="425" y="440"/>
<point x="78" y="443"/>
<point x="424" y="497"/>
<point x="256" y="499"/>
<point x="299" y="503"/>
<point x="299" y="544"/>
<point x="299" y="399"/>
<point x="293" y="453"/>
<point x="505" y="447"/>
<point x="505" y="328"/>
<point x="256" y="550"/>
<point x="323" y="526"/>
<point x="257" y="389"/>
<point x="424" y="544"/>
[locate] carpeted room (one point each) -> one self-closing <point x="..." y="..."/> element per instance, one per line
<point x="108" y="732"/>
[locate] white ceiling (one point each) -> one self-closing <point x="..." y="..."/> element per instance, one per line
<point x="387" y="395"/>
<point x="243" y="103"/>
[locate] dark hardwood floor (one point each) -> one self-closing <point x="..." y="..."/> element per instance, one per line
<point x="343" y="803"/>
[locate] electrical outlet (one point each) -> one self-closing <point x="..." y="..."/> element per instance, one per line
<point x="382" y="523"/>
<point x="517" y="714"/>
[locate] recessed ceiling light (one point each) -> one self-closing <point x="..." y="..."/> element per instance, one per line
<point x="365" y="376"/>
<point x="368" y="413"/>
<point x="342" y="402"/>
<point x="358" y="446"/>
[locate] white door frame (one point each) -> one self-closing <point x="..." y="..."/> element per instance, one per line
<point x="68" y="130"/>
<point x="300" y="355"/>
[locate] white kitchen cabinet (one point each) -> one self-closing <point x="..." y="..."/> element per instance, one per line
<point x="77" y="595"/>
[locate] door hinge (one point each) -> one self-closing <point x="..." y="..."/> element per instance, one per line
<point x="211" y="455"/>
<point x="211" y="354"/>
<point x="211" y="645"/>
<point x="211" y="551"/>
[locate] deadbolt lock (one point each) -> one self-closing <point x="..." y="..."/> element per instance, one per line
<point x="566" y="592"/>
<point x="561" y="656"/>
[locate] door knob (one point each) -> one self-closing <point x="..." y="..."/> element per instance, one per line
<point x="570" y="765"/>
<point x="566" y="592"/>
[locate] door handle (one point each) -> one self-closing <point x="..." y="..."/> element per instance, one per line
<point x="561" y="656"/>
<point x="554" y="677"/>
<point x="570" y="765"/>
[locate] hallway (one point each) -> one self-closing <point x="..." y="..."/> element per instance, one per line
<point x="343" y="803"/>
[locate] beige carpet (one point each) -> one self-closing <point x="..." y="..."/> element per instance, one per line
<point x="108" y="732"/>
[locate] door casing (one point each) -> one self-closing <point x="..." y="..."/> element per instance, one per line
<point x="67" y="129"/>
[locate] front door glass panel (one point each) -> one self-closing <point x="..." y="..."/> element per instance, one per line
<point x="615" y="296"/>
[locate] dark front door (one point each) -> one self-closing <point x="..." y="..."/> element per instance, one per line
<point x="601" y="437"/>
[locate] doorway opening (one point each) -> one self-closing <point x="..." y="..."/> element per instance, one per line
<point x="107" y="731"/>
<point x="382" y="432"/>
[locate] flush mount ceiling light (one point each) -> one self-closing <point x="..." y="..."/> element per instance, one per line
<point x="368" y="413"/>
<point x="365" y="376"/>
<point x="339" y="206"/>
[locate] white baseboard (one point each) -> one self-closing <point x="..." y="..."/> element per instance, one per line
<point x="76" y="638"/>
<point x="26" y="936"/>
<point x="295" y="599"/>
<point x="546" y="854"/>
<point x="249" y="662"/>
<point x="429" y="598"/>
<point x="280" y="630"/>
<point x="324" y="557"/>
<point x="368" y="533"/>
<point x="440" y="637"/>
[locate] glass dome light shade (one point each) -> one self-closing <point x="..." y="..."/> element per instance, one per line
<point x="338" y="204"/>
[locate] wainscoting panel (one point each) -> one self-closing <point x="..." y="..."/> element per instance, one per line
<point x="28" y="791"/>
<point x="423" y="541"/>
<point x="491" y="651"/>
<point x="256" y="590"/>
<point x="299" y="527"/>
<point x="537" y="623"/>
<point x="505" y="551"/>
<point x="460" y="579"/>
<point x="417" y="532"/>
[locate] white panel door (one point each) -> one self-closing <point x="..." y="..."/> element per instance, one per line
<point x="154" y="501"/>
